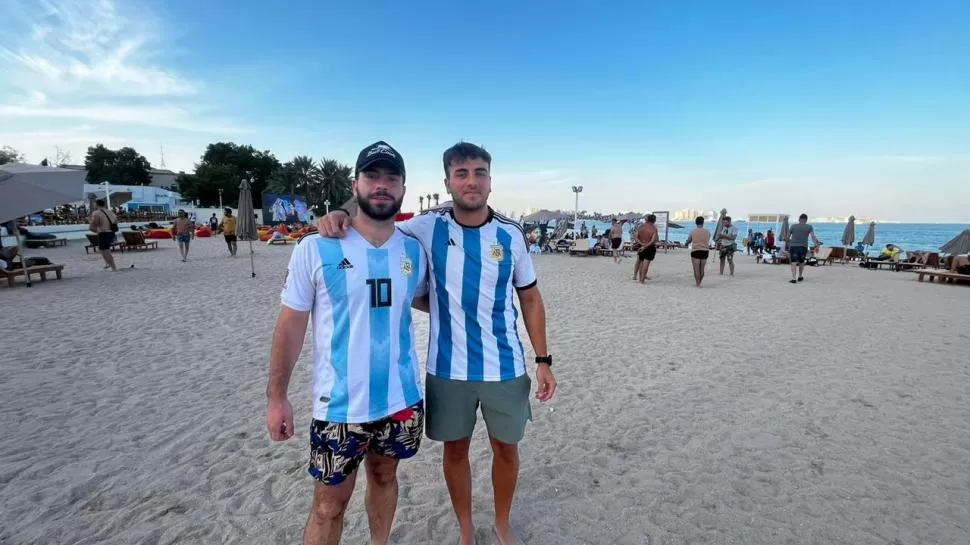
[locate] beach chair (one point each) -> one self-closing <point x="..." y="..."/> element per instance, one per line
<point x="824" y="256"/>
<point x="580" y="247"/>
<point x="39" y="270"/>
<point x="942" y="277"/>
<point x="135" y="240"/>
<point x="92" y="244"/>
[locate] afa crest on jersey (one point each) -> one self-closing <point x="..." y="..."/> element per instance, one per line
<point x="496" y="252"/>
<point x="407" y="268"/>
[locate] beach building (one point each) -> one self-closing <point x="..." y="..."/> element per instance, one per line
<point x="160" y="177"/>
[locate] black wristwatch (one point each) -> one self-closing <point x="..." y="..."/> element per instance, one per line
<point x="545" y="359"/>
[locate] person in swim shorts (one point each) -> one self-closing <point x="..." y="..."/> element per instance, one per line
<point x="797" y="244"/>
<point x="616" y="239"/>
<point x="228" y="226"/>
<point x="647" y="235"/>
<point x="183" y="233"/>
<point x="699" y="241"/>
<point x="368" y="407"/>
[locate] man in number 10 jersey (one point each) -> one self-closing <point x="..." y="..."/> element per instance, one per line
<point x="367" y="400"/>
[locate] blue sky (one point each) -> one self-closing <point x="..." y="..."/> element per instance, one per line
<point x="829" y="108"/>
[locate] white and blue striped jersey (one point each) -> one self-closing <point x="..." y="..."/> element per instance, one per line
<point x="474" y="336"/>
<point x="365" y="366"/>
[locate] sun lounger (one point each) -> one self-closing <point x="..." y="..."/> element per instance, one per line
<point x="282" y="241"/>
<point x="50" y="242"/>
<point x="93" y="244"/>
<point x="580" y="247"/>
<point x="135" y="240"/>
<point x="941" y="276"/>
<point x="894" y="266"/>
<point x="39" y="270"/>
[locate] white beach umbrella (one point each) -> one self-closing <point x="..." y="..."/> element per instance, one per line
<point x="848" y="238"/>
<point x="25" y="189"/>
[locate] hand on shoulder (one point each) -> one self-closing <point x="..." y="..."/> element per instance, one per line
<point x="334" y="224"/>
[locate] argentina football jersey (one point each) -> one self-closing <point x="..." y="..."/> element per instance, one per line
<point x="474" y="270"/>
<point x="365" y="365"/>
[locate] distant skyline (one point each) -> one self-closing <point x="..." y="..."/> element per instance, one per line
<point x="828" y="108"/>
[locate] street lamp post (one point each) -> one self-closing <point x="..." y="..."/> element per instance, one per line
<point x="220" y="198"/>
<point x="577" y="189"/>
<point x="327" y="204"/>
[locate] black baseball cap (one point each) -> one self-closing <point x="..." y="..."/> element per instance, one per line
<point x="379" y="152"/>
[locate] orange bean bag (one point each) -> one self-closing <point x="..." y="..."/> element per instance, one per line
<point x="158" y="234"/>
<point x="265" y="235"/>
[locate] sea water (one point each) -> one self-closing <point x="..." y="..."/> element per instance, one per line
<point x="908" y="236"/>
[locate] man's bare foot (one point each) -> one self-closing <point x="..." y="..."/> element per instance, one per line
<point x="467" y="538"/>
<point x="504" y="536"/>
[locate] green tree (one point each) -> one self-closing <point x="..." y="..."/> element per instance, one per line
<point x="224" y="165"/>
<point x="122" y="167"/>
<point x="336" y="183"/>
<point x="10" y="155"/>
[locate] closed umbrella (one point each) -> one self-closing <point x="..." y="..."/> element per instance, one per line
<point x="959" y="245"/>
<point x="720" y="220"/>
<point x="870" y="239"/>
<point x="25" y="189"/>
<point x="783" y="234"/>
<point x="848" y="238"/>
<point x="246" y="224"/>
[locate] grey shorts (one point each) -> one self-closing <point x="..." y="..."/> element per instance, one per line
<point x="451" y="408"/>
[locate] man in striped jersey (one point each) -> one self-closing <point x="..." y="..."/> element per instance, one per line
<point x="367" y="402"/>
<point x="478" y="259"/>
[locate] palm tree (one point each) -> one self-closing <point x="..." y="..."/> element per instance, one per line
<point x="304" y="176"/>
<point x="336" y="181"/>
<point x="420" y="203"/>
<point x="435" y="199"/>
<point x="429" y="200"/>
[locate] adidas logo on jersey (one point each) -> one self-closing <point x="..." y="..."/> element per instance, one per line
<point x="345" y="264"/>
<point x="451" y="242"/>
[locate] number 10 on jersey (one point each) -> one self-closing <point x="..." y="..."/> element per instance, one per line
<point x="380" y="292"/>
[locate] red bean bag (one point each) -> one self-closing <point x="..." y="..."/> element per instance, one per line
<point x="158" y="234"/>
<point x="203" y="232"/>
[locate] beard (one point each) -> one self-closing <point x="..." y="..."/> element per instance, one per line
<point x="381" y="210"/>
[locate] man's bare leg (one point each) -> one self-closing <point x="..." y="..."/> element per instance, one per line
<point x="381" y="499"/>
<point x="505" y="473"/>
<point x="801" y="270"/>
<point x="458" y="477"/>
<point x="794" y="269"/>
<point x="731" y="263"/>
<point x="696" y="264"/>
<point x="644" y="267"/>
<point x="723" y="260"/>
<point x="109" y="259"/>
<point x="636" y="267"/>
<point x="326" y="521"/>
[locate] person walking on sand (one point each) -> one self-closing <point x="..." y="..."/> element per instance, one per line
<point x="797" y="245"/>
<point x="183" y="233"/>
<point x="478" y="258"/>
<point x="699" y="241"/>
<point x="727" y="243"/>
<point x="616" y="239"/>
<point x="367" y="403"/>
<point x="228" y="226"/>
<point x="105" y="224"/>
<point x="647" y="235"/>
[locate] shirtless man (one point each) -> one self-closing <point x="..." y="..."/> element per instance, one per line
<point x="616" y="239"/>
<point x="183" y="233"/>
<point x="699" y="241"/>
<point x="647" y="235"/>
<point x="105" y="224"/>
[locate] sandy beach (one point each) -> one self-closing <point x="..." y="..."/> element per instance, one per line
<point x="751" y="411"/>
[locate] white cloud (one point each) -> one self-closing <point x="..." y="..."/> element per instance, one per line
<point x="99" y="64"/>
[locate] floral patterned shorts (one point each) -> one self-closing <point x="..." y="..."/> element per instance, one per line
<point x="336" y="450"/>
